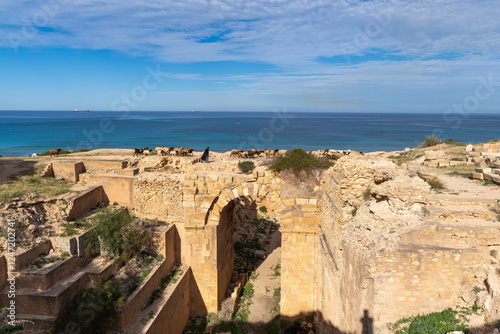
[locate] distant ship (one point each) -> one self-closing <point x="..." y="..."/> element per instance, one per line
<point x="196" y="111"/>
<point x="76" y="110"/>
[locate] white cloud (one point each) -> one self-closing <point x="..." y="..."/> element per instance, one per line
<point x="278" y="32"/>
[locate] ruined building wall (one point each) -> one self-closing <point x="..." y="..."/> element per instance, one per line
<point x="387" y="259"/>
<point x="158" y="198"/>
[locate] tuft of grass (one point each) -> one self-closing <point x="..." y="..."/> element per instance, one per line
<point x="354" y="211"/>
<point x="433" y="181"/>
<point x="405" y="157"/>
<point x="431" y="141"/>
<point x="488" y="183"/>
<point x="246" y="166"/>
<point x="299" y="160"/>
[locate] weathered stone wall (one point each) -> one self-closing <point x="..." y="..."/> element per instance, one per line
<point x="412" y="280"/>
<point x="344" y="297"/>
<point x="68" y="171"/>
<point x="225" y="250"/>
<point x="119" y="189"/>
<point x="299" y="228"/>
<point x="158" y="198"/>
<point x="175" y="312"/>
<point x="379" y="259"/>
<point x="83" y="202"/>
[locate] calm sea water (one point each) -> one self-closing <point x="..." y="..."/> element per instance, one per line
<point x="26" y="132"/>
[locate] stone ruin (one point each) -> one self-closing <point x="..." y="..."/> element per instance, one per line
<point x="363" y="245"/>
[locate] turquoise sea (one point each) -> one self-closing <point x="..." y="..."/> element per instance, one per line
<point x="26" y="132"/>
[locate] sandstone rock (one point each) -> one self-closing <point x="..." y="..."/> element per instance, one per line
<point x="435" y="155"/>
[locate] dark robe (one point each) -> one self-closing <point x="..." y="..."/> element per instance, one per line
<point x="204" y="156"/>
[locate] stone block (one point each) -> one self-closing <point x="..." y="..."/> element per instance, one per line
<point x="488" y="176"/>
<point x="477" y="176"/>
<point x="469" y="148"/>
<point x="483" y="170"/>
<point x="309" y="208"/>
<point x="301" y="201"/>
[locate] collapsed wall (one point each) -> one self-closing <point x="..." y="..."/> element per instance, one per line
<point x="379" y="258"/>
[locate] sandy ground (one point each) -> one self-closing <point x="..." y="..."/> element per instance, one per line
<point x="264" y="285"/>
<point x="458" y="187"/>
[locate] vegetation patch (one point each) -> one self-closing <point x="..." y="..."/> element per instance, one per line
<point x="246" y="166"/>
<point x="93" y="308"/>
<point x="46" y="153"/>
<point x="298" y="161"/>
<point x="115" y="233"/>
<point x="30" y="182"/>
<point x="435" y="323"/>
<point x="431" y="141"/>
<point x="405" y="157"/>
<point x="433" y="181"/>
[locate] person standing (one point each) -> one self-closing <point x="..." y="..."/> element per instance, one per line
<point x="204" y="156"/>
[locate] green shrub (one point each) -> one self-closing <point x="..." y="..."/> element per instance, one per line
<point x="298" y="160"/>
<point x="93" y="309"/>
<point x="246" y="166"/>
<point x="115" y="233"/>
<point x="434" y="323"/>
<point x="431" y="141"/>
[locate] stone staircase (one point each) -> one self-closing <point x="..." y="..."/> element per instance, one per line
<point x="41" y="294"/>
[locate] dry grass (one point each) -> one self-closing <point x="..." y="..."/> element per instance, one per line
<point x="29" y="182"/>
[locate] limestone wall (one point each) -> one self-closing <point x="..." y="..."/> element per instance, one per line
<point x="414" y="280"/>
<point x="384" y="261"/>
<point x="68" y="171"/>
<point x="159" y="198"/>
<point x="119" y="189"/>
<point x="83" y="202"/>
<point x="175" y="311"/>
<point x="225" y="251"/>
<point x="344" y="298"/>
<point x="299" y="228"/>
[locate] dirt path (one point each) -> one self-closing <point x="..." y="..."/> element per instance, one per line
<point x="265" y="284"/>
<point x="458" y="187"/>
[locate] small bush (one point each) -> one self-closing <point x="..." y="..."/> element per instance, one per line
<point x="115" y="233"/>
<point x="431" y="141"/>
<point x="437" y="322"/>
<point x="354" y="211"/>
<point x="298" y="160"/>
<point x="246" y="166"/>
<point x="263" y="209"/>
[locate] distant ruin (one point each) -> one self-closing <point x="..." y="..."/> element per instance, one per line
<point x="361" y="240"/>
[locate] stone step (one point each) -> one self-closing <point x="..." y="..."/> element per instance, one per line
<point x="51" y="301"/>
<point x="453" y="201"/>
<point x="460" y="212"/>
<point x="44" y="278"/>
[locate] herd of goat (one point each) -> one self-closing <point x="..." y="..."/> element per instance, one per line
<point x="331" y="154"/>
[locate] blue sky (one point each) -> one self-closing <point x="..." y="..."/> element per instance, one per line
<point x="397" y="56"/>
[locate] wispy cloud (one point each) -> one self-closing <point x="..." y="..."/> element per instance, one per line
<point x="277" y="32"/>
<point x="339" y="53"/>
